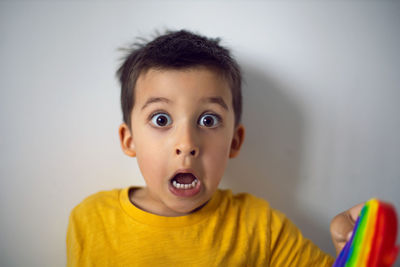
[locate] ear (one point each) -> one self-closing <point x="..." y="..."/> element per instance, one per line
<point x="126" y="140"/>
<point x="237" y="141"/>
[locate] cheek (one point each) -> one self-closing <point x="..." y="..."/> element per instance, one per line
<point x="151" y="159"/>
<point x="217" y="156"/>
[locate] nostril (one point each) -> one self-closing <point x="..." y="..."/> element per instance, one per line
<point x="189" y="152"/>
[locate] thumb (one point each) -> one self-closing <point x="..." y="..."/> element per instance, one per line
<point x="342" y="226"/>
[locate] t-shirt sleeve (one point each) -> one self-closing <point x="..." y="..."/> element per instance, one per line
<point x="73" y="241"/>
<point x="290" y="248"/>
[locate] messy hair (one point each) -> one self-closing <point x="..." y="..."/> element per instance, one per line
<point x="177" y="50"/>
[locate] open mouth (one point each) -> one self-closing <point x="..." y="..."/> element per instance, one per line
<point x="184" y="181"/>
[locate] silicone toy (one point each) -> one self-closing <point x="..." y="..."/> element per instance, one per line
<point x="372" y="243"/>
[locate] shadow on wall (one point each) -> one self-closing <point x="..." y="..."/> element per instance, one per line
<point x="271" y="157"/>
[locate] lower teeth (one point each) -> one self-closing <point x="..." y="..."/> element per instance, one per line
<point x="184" y="186"/>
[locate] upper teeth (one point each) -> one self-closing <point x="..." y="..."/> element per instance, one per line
<point x="185" y="186"/>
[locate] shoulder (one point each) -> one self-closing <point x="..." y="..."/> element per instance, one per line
<point x="253" y="208"/>
<point x="244" y="200"/>
<point x="97" y="202"/>
<point x="88" y="219"/>
<point x="248" y="206"/>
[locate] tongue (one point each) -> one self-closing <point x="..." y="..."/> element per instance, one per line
<point x="184" y="178"/>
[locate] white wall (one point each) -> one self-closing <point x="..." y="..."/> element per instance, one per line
<point x="320" y="106"/>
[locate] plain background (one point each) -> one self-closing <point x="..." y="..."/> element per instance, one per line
<point x="321" y="107"/>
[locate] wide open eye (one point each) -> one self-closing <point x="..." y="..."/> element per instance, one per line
<point x="209" y="120"/>
<point x="161" y="120"/>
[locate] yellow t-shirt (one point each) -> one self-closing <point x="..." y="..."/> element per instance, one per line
<point x="106" y="229"/>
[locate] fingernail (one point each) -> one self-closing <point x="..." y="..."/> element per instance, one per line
<point x="349" y="235"/>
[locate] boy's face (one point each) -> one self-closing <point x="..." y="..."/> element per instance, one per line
<point x="183" y="132"/>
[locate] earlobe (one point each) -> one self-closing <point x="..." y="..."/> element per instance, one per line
<point x="237" y="141"/>
<point x="126" y="140"/>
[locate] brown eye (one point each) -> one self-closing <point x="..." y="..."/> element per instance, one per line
<point x="161" y="120"/>
<point x="209" y="120"/>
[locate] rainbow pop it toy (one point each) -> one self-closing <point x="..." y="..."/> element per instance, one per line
<point x="372" y="243"/>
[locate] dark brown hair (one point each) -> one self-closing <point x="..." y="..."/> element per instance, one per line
<point x="177" y="50"/>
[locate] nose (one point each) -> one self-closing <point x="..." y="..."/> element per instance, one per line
<point x="186" y="143"/>
<point x="191" y="152"/>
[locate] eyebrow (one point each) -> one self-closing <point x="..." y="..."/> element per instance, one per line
<point x="217" y="100"/>
<point x="155" y="100"/>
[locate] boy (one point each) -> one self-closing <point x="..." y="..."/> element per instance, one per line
<point x="181" y="103"/>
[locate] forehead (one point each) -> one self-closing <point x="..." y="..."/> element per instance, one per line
<point x="197" y="82"/>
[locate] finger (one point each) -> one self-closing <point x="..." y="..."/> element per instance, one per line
<point x="343" y="243"/>
<point x="342" y="226"/>
<point x="340" y="247"/>
<point x="354" y="212"/>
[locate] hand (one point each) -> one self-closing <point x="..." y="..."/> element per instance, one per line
<point x="342" y="226"/>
